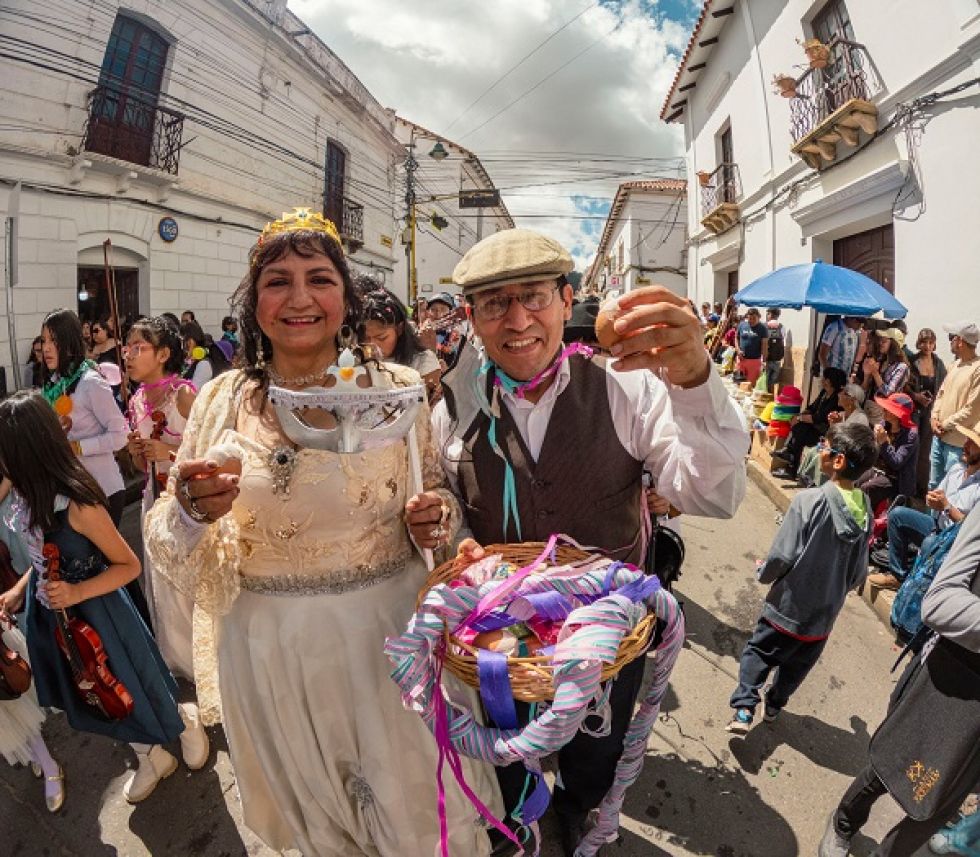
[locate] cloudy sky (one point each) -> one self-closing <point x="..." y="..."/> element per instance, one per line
<point x="431" y="59"/>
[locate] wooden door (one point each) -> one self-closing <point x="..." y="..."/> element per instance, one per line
<point x="871" y="253"/>
<point x="333" y="192"/>
<point x="91" y="282"/>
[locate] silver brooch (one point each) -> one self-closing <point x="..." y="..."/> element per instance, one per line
<point x="282" y="463"/>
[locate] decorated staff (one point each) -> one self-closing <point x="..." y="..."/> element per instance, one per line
<point x="539" y="439"/>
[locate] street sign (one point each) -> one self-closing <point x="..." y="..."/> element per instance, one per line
<point x="615" y="281"/>
<point x="167" y="229"/>
<point x="479" y="198"/>
<point x="445" y="281"/>
<point x="386" y="240"/>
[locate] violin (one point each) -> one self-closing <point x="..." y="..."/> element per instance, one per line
<point x="158" y="481"/>
<point x="81" y="645"/>
<point x="15" y="672"/>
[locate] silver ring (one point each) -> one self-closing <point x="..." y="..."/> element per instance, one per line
<point x="196" y="513"/>
<point x="438" y="533"/>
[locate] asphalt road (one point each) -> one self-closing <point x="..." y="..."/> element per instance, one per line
<point x="701" y="792"/>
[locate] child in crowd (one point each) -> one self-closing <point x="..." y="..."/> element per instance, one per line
<point x="819" y="554"/>
<point x="59" y="508"/>
<point x="21" y="742"/>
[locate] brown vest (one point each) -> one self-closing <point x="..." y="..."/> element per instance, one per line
<point x="584" y="483"/>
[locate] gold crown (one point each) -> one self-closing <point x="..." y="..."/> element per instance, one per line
<point x="300" y="219"/>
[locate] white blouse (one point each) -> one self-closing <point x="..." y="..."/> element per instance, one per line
<point x="100" y="428"/>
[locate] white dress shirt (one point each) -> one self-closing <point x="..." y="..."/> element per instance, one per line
<point x="693" y="441"/>
<point x="100" y="428"/>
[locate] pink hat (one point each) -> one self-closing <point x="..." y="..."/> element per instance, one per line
<point x="900" y="406"/>
<point x="789" y="396"/>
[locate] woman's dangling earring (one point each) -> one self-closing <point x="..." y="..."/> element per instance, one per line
<point x="346" y="338"/>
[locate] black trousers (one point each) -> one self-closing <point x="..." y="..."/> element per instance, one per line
<point x="906" y="837"/>
<point x="117" y="503"/>
<point x="769" y="649"/>
<point x="587" y="765"/>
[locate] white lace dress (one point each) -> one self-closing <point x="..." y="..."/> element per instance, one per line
<point x="21" y="718"/>
<point x="305" y="590"/>
<point x="171" y="611"/>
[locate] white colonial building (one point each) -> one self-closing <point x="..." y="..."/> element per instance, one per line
<point x="644" y="240"/>
<point x="862" y="155"/>
<point x="456" y="204"/>
<point x="175" y="128"/>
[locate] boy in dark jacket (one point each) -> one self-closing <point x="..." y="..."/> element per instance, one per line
<point x="819" y="554"/>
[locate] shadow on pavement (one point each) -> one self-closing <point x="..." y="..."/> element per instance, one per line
<point x="711" y="811"/>
<point x="824" y="745"/>
<point x="706" y="630"/>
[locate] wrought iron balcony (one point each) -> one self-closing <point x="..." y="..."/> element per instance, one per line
<point x="833" y="104"/>
<point x="720" y="192"/>
<point x="352" y="225"/>
<point x="127" y="124"/>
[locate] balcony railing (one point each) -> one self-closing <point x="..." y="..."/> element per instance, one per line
<point x="352" y="224"/>
<point x="720" y="192"/>
<point x="124" y="123"/>
<point x="832" y="104"/>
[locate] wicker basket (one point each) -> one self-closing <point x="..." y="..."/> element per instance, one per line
<point x="530" y="678"/>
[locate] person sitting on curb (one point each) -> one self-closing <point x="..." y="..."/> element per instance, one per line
<point x="950" y="503"/>
<point x="807" y="428"/>
<point x="819" y="555"/>
<point x="898" y="443"/>
<point x="851" y="400"/>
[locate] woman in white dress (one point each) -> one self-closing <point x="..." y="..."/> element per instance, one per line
<point x="305" y="564"/>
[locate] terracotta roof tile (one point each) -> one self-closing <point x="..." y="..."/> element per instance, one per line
<point x="687" y="55"/>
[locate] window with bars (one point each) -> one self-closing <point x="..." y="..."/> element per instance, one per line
<point x="833" y="23"/>
<point x="335" y="180"/>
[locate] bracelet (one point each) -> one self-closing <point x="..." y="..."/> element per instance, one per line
<point x="192" y="508"/>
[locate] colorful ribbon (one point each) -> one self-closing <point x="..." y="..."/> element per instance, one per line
<point x="589" y="638"/>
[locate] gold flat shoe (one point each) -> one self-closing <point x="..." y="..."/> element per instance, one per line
<point x="57" y="800"/>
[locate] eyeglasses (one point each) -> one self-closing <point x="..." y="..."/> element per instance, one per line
<point x="495" y="307"/>
<point x="134" y="350"/>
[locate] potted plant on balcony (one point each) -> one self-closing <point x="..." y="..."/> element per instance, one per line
<point x="816" y="52"/>
<point x="704" y="178"/>
<point x="784" y="85"/>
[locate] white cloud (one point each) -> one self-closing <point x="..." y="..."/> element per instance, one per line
<point x="431" y="58"/>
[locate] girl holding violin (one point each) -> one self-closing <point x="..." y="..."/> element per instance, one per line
<point x="91" y="654"/>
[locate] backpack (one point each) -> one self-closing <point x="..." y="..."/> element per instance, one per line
<point x="777" y="344"/>
<point x="906" y="615"/>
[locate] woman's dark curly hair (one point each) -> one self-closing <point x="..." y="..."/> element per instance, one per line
<point x="303" y="242"/>
<point x="160" y="332"/>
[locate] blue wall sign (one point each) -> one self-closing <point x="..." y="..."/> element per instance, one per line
<point x="167" y="229"/>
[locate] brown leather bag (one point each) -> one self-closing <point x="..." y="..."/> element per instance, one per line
<point x="15" y="673"/>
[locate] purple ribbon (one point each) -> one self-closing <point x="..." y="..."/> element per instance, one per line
<point x="495" y="689"/>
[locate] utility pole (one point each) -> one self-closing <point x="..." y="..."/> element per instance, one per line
<point x="411" y="165"/>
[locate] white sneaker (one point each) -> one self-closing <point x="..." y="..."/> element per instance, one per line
<point x="154" y="766"/>
<point x="194" y="744"/>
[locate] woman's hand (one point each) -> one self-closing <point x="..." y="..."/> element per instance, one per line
<point x="205" y="489"/>
<point x="835" y="417"/>
<point x="881" y="435"/>
<point x="425" y="515"/>
<point x="61" y="595"/>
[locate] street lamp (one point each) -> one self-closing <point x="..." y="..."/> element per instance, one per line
<point x="438" y="153"/>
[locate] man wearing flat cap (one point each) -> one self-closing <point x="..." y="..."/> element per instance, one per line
<point x="537" y="438"/>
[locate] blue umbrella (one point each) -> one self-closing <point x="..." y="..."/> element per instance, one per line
<point x="826" y="288"/>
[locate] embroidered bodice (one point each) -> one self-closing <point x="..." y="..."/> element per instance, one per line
<point x="144" y="424"/>
<point x="342" y="519"/>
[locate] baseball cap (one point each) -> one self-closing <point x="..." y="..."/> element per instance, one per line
<point x="965" y="330"/>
